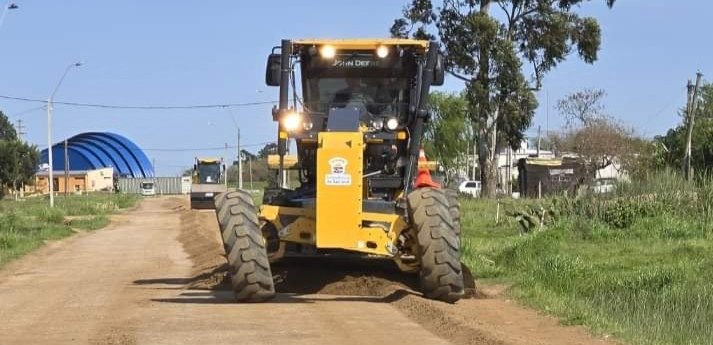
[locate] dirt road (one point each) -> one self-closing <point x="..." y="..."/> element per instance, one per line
<point x="155" y="276"/>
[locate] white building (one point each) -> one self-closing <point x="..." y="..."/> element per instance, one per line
<point x="507" y="158"/>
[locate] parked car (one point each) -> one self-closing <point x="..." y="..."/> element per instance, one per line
<point x="148" y="188"/>
<point x="469" y="187"/>
<point x="604" y="185"/>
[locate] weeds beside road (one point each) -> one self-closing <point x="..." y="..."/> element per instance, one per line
<point x="637" y="264"/>
<point x="27" y="224"/>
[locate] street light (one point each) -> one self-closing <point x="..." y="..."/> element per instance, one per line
<point x="240" y="154"/>
<point x="49" y="130"/>
<point x="9" y="6"/>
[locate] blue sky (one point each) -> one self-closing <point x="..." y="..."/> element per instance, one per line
<point x="165" y="52"/>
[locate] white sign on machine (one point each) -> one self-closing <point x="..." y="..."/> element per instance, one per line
<point x="337" y="175"/>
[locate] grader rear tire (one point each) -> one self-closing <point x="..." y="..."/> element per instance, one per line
<point x="438" y="248"/>
<point x="249" y="268"/>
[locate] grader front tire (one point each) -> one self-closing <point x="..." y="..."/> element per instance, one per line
<point x="249" y="268"/>
<point x="454" y="208"/>
<point x="438" y="247"/>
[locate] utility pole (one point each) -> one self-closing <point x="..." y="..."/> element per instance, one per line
<point x="547" y="124"/>
<point x="539" y="140"/>
<point x="250" y="171"/>
<point x="66" y="168"/>
<point x="691" y="117"/>
<point x="20" y="130"/>
<point x="240" y="164"/>
<point x="223" y="167"/>
<point x="509" y="170"/>
<point x="475" y="158"/>
<point x="467" y="160"/>
<point x="49" y="131"/>
<point x="20" y="133"/>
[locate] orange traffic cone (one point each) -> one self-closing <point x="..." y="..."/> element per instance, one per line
<point x="423" y="179"/>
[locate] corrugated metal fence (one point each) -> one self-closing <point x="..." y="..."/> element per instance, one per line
<point x="163" y="185"/>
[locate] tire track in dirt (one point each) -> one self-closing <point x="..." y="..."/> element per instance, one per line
<point x="481" y="318"/>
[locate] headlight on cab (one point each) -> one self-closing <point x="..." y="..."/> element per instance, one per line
<point x="382" y="51"/>
<point x="377" y="124"/>
<point x="291" y="121"/>
<point x="327" y="52"/>
<point x="392" y="123"/>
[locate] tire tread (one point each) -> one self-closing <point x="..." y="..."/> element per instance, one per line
<point x="438" y="249"/>
<point x="249" y="268"/>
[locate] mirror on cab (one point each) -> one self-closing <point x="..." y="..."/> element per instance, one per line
<point x="272" y="73"/>
<point x="439" y="72"/>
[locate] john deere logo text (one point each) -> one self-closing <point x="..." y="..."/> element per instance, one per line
<point x="353" y="63"/>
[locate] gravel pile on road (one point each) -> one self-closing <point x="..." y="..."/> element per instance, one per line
<point x="200" y="239"/>
<point x="372" y="277"/>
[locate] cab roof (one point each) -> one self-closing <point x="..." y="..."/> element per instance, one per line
<point x="208" y="160"/>
<point x="362" y="43"/>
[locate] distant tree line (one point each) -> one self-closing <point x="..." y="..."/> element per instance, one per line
<point x="18" y="160"/>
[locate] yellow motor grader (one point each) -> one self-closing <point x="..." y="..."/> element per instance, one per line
<point x="356" y="119"/>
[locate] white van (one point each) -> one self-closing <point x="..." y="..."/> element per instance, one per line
<point x="148" y="188"/>
<point x="471" y="188"/>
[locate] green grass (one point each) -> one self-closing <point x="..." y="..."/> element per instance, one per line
<point x="646" y="283"/>
<point x="27" y="224"/>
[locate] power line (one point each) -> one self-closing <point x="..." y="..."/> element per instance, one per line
<point x="189" y="149"/>
<point x="208" y="148"/>
<point x="140" y="107"/>
<point x="26" y="111"/>
<point x="672" y="102"/>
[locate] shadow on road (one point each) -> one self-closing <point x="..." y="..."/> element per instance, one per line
<point x="220" y="271"/>
<point x="297" y="279"/>
<point x="226" y="297"/>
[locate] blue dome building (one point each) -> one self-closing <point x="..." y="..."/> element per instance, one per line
<point x="95" y="150"/>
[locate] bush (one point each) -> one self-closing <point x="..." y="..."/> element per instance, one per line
<point x="51" y="216"/>
<point x="582" y="228"/>
<point x="620" y="214"/>
<point x="8" y="241"/>
<point x="9" y="222"/>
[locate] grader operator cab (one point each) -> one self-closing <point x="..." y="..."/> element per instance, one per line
<point x="206" y="182"/>
<point x="357" y="128"/>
